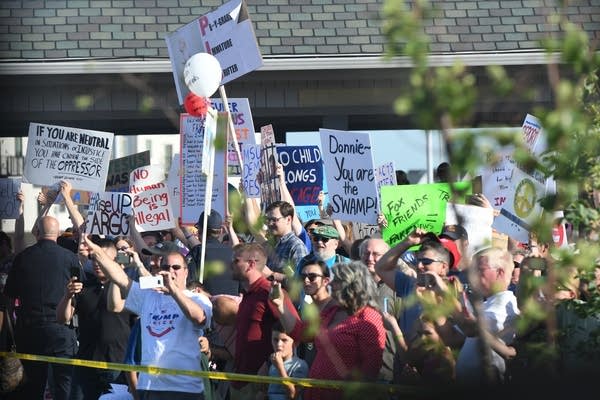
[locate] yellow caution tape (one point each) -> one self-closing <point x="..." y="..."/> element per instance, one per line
<point x="227" y="376"/>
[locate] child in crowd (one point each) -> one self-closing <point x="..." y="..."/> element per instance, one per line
<point x="284" y="363"/>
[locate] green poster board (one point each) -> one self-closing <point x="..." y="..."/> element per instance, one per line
<point x="407" y="207"/>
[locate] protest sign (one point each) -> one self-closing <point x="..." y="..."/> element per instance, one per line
<point x="152" y="209"/>
<point x="173" y="185"/>
<point x="385" y="174"/>
<point x="407" y="207"/>
<point x="267" y="174"/>
<point x="361" y="230"/>
<point x="146" y="177"/>
<point x="120" y="168"/>
<point x="108" y="213"/>
<point x="477" y="221"/>
<point x="56" y="153"/>
<point x="9" y="205"/>
<point x="303" y="169"/>
<point x="350" y="175"/>
<point x="522" y="207"/>
<point x="251" y="158"/>
<point x="241" y="116"/>
<point x="533" y="135"/>
<point x="193" y="182"/>
<point x="226" y="33"/>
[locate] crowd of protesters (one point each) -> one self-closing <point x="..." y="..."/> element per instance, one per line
<point x="280" y="297"/>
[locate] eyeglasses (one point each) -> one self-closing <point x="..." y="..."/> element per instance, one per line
<point x="427" y="261"/>
<point x="123" y="248"/>
<point x="166" y="267"/>
<point x="273" y="219"/>
<point x="323" y="239"/>
<point x="311" y="276"/>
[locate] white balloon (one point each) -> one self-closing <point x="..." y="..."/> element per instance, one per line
<point x="203" y="74"/>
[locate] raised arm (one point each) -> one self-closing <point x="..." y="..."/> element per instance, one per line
<point x="76" y="217"/>
<point x="286" y="196"/>
<point x="111" y="269"/>
<point x="386" y="267"/>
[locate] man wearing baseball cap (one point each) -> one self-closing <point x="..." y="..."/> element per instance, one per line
<point x="459" y="235"/>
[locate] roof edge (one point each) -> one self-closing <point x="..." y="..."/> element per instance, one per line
<point x="274" y="63"/>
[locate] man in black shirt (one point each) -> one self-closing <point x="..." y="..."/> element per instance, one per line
<point x="37" y="279"/>
<point x="103" y="334"/>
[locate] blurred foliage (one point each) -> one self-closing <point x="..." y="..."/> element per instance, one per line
<point x="444" y="98"/>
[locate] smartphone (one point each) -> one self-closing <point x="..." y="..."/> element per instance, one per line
<point x="425" y="280"/>
<point x="385" y="305"/>
<point x="123" y="258"/>
<point x="76" y="272"/>
<point x="151" y="282"/>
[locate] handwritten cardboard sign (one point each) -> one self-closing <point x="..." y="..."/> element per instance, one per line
<point x="193" y="182"/>
<point x="108" y="212"/>
<point x="303" y="169"/>
<point x="226" y="33"/>
<point x="241" y="116"/>
<point x="385" y="174"/>
<point x="152" y="209"/>
<point x="350" y="175"/>
<point x="80" y="156"/>
<point x="9" y="205"/>
<point x="251" y="157"/>
<point x="120" y="168"/>
<point x="145" y="178"/>
<point x="267" y="175"/>
<point x="407" y="207"/>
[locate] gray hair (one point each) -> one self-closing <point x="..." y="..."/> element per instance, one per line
<point x="356" y="286"/>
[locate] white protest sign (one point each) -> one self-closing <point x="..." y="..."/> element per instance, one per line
<point x="9" y="205"/>
<point x="361" y="230"/>
<point x="251" y="158"/>
<point x="108" y="212"/>
<point x="350" y="175"/>
<point x="226" y="33"/>
<point x="521" y="208"/>
<point x="533" y="135"/>
<point x="477" y="221"/>
<point x="152" y="209"/>
<point x="495" y="180"/>
<point x="173" y="180"/>
<point x="241" y="115"/>
<point x="193" y="181"/>
<point x="80" y="156"/>
<point x="145" y="178"/>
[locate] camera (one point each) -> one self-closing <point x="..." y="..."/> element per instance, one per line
<point x="537" y="263"/>
<point x="123" y="258"/>
<point x="151" y="282"/>
<point x="425" y="280"/>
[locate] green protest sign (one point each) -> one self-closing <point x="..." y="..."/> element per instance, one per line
<point x="407" y="207"/>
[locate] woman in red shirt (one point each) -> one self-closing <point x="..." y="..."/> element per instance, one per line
<point x="351" y="336"/>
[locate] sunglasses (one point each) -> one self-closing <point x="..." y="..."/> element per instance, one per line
<point x="323" y="239"/>
<point x="427" y="261"/>
<point x="166" y="267"/>
<point x="311" y="276"/>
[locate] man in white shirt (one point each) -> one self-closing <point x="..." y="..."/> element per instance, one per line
<point x="172" y="320"/>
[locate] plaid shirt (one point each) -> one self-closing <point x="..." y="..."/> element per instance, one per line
<point x="289" y="251"/>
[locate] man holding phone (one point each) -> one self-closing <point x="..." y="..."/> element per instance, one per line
<point x="103" y="334"/>
<point x="172" y="317"/>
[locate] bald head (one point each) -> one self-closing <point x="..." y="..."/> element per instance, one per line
<point x="48" y="228"/>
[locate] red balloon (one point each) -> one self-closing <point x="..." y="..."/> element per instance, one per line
<point x="195" y="105"/>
